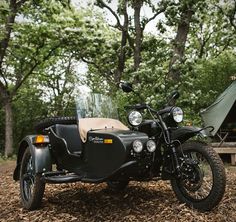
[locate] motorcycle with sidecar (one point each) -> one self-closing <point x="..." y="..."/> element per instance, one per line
<point x="95" y="147"/>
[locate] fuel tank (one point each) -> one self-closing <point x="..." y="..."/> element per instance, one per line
<point x="107" y="150"/>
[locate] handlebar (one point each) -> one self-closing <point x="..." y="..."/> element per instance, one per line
<point x="145" y="106"/>
<point x="138" y="106"/>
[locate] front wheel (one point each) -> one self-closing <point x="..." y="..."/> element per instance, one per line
<point x="31" y="185"/>
<point x="203" y="180"/>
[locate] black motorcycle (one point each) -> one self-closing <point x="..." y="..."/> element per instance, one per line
<point x="96" y="147"/>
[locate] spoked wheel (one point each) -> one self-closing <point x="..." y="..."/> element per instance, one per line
<point x="203" y="181"/>
<point x="31" y="186"/>
<point x="117" y="185"/>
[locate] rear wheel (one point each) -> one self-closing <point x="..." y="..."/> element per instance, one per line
<point x="31" y="185"/>
<point x="118" y="185"/>
<point x="203" y="181"/>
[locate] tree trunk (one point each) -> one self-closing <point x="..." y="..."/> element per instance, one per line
<point x="139" y="32"/>
<point x="179" y="43"/>
<point x="122" y="53"/>
<point x="8" y="128"/>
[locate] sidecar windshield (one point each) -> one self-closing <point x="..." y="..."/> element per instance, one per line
<point x="94" y="105"/>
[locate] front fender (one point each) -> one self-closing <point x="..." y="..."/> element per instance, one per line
<point x="41" y="156"/>
<point x="184" y="133"/>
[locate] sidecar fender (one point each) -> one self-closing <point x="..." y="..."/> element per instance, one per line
<point x="40" y="154"/>
<point x="184" y="133"/>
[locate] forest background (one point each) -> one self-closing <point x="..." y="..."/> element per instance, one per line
<point x="50" y="48"/>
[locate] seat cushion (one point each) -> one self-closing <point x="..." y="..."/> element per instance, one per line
<point x="87" y="124"/>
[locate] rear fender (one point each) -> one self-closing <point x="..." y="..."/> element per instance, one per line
<point x="41" y="156"/>
<point x="182" y="134"/>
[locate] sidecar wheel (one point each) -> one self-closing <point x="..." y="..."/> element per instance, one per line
<point x="31" y="185"/>
<point x="118" y="185"/>
<point x="205" y="185"/>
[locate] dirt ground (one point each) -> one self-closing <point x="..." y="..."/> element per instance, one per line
<point x="148" y="201"/>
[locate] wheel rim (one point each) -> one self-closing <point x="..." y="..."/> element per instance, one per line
<point x="199" y="184"/>
<point x="28" y="179"/>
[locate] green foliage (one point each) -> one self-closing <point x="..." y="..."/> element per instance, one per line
<point x="211" y="32"/>
<point x="28" y="107"/>
<point x="44" y="37"/>
<point x="50" y="38"/>
<point x="213" y="76"/>
<point x="57" y="83"/>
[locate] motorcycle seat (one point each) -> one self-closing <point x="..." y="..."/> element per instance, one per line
<point x="71" y="137"/>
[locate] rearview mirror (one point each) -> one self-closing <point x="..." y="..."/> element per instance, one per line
<point x="175" y="95"/>
<point x="126" y="87"/>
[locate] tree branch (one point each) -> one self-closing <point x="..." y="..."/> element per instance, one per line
<point x="20" y="3"/>
<point x="8" y="29"/>
<point x="19" y="84"/>
<point x="203" y="41"/>
<point x="108" y="76"/>
<point x="158" y="12"/>
<point x="231" y="17"/>
<point x="4" y="78"/>
<point x="104" y="5"/>
<point x="89" y="62"/>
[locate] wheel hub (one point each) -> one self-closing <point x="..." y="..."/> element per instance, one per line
<point x="192" y="175"/>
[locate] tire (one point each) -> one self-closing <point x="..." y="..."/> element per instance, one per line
<point x="54" y="120"/>
<point x="117" y="186"/>
<point x="31" y="186"/>
<point x="212" y="168"/>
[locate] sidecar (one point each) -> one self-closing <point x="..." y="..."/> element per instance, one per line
<point x="94" y="147"/>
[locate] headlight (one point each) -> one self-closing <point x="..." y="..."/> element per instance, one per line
<point x="178" y="114"/>
<point x="151" y="146"/>
<point x="137" y="146"/>
<point x="135" y="118"/>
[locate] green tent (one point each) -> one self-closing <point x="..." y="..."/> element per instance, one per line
<point x="223" y="111"/>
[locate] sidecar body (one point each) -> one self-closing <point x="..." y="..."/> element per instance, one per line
<point x="86" y="148"/>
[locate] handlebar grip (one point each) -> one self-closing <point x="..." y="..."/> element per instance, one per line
<point x="137" y="106"/>
<point x="128" y="107"/>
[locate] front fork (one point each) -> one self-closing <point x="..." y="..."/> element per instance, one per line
<point x="172" y="149"/>
<point x="176" y="166"/>
<point x="175" y="160"/>
<point x="173" y="164"/>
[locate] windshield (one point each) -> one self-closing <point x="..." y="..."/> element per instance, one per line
<point x="91" y="105"/>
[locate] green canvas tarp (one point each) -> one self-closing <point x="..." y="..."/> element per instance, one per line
<point x="216" y="113"/>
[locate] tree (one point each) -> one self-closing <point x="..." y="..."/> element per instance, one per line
<point x="57" y="84"/>
<point x="185" y="10"/>
<point x="211" y="33"/>
<point x="33" y="32"/>
<point x="20" y="55"/>
<point x="28" y="106"/>
<point x="131" y="31"/>
<point x="9" y="12"/>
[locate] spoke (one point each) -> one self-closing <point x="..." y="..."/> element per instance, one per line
<point x="28" y="180"/>
<point x="201" y="183"/>
<point x="26" y="190"/>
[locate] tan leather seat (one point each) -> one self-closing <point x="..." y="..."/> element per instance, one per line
<point x="87" y="124"/>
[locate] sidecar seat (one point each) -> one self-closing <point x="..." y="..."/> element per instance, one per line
<point x="70" y="136"/>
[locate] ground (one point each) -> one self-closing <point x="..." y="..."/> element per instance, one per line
<point x="148" y="201"/>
